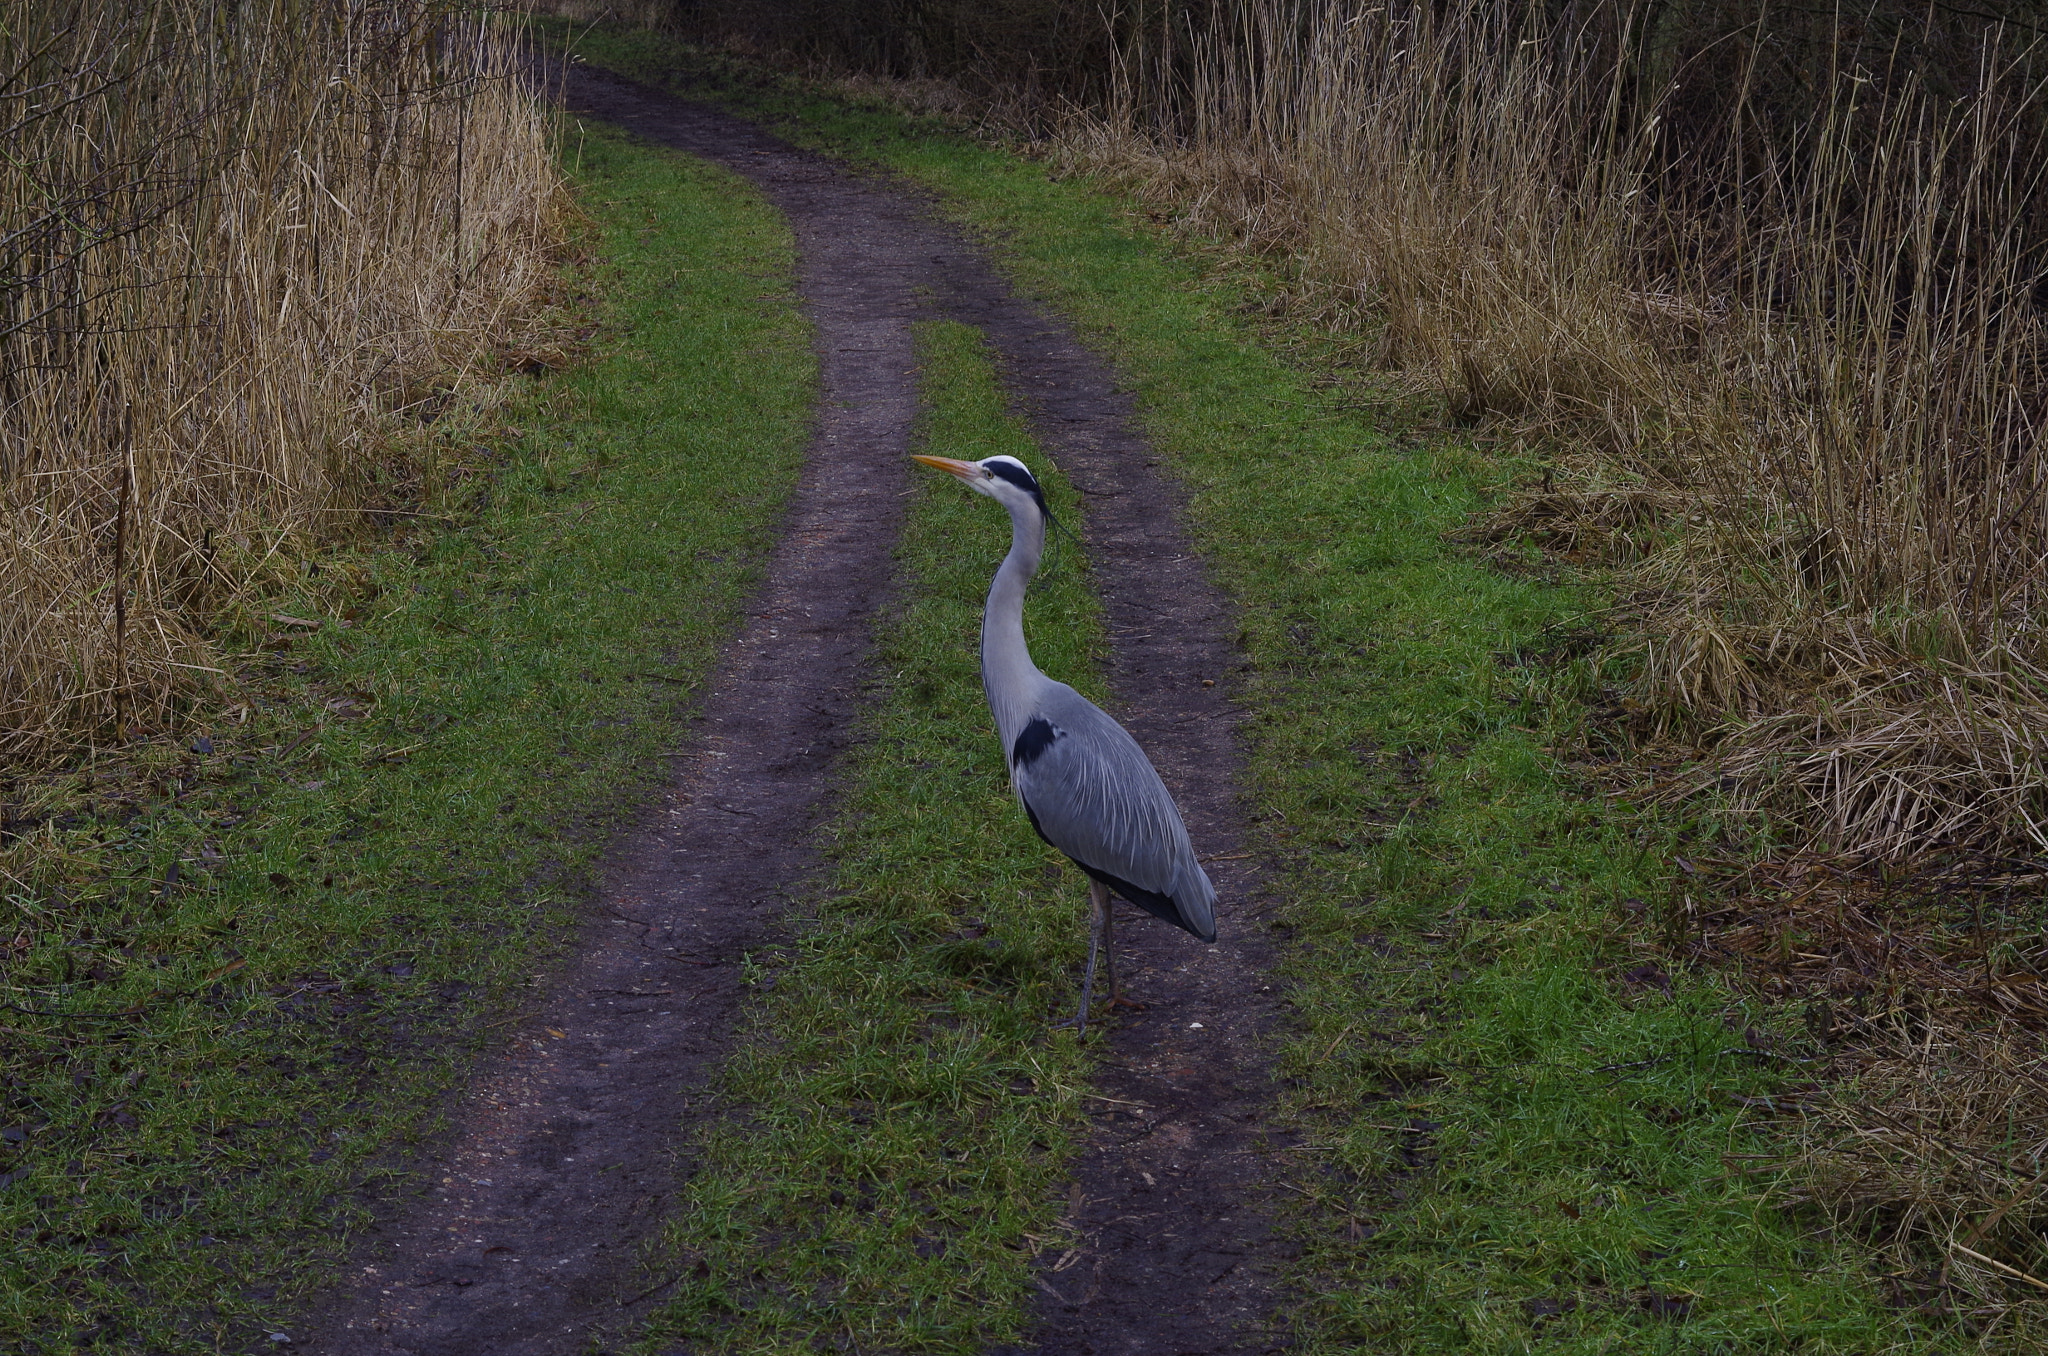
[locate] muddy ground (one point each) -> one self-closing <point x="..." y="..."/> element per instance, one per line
<point x="563" y="1158"/>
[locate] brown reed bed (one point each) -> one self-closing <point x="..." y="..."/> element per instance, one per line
<point x="247" y="255"/>
<point x="1785" y="358"/>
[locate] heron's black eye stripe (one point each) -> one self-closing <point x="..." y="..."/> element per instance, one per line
<point x="1034" y="740"/>
<point x="1016" y="475"/>
<point x="1021" y="478"/>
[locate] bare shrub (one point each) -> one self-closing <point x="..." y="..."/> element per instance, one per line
<point x="236" y="243"/>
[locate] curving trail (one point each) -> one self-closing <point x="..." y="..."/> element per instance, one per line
<point x="562" y="1158"/>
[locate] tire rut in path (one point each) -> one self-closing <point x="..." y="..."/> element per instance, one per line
<point x="562" y="1159"/>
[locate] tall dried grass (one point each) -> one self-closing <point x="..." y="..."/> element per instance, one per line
<point x="1797" y="370"/>
<point x="236" y="244"/>
<point x="1934" y="1141"/>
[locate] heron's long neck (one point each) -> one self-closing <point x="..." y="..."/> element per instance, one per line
<point x="1006" y="668"/>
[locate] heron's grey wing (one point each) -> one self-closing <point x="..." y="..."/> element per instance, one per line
<point x="1093" y="794"/>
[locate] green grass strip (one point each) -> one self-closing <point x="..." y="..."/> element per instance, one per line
<point x="356" y="906"/>
<point x="903" y="1114"/>
<point x="1521" y="1148"/>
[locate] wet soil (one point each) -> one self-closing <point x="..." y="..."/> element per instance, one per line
<point x="563" y="1159"/>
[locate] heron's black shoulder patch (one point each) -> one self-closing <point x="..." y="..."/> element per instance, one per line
<point x="1032" y="741"/>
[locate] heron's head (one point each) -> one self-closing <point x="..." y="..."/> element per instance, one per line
<point x="1003" y="479"/>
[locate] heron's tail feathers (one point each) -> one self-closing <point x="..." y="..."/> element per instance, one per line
<point x="1191" y="904"/>
<point x="1195" y="901"/>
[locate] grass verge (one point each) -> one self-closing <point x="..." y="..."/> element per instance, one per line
<point x="231" y="1007"/>
<point x="903" y="1113"/>
<point x="1527" y="1135"/>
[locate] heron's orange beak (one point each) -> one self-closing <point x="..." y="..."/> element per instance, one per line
<point x="965" y="470"/>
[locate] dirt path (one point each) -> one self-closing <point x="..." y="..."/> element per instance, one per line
<point x="562" y="1161"/>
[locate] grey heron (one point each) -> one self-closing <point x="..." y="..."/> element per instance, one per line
<point x="1086" y="786"/>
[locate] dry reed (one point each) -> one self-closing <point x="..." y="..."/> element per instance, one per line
<point x="1797" y="383"/>
<point x="239" y="248"/>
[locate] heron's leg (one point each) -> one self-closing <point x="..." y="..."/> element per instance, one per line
<point x="1109" y="943"/>
<point x="1098" y="911"/>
